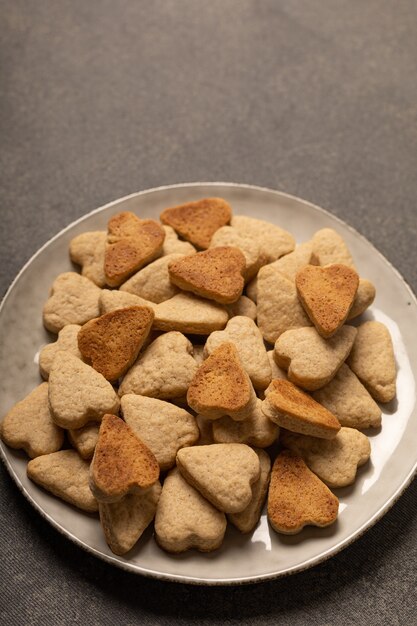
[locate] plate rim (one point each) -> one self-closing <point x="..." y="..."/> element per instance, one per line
<point x="181" y="578"/>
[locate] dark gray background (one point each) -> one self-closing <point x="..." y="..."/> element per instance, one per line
<point x="100" y="99"/>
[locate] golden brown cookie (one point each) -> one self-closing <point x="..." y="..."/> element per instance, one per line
<point x="221" y="386"/>
<point x="289" y="407"/>
<point x="131" y="244"/>
<point x="198" y="221"/>
<point x="327" y="294"/>
<point x="111" y="343"/>
<point x="216" y="274"/>
<point x="297" y="497"/>
<point x="122" y="463"/>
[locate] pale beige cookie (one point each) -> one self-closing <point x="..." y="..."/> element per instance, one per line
<point x="293" y="262"/>
<point x="164" y="370"/>
<point x="125" y="521"/>
<point x="256" y="430"/>
<point x="329" y="247"/>
<point x="73" y="299"/>
<point x="64" y="474"/>
<point x="111" y="300"/>
<point x="222" y="472"/>
<point x="251" y="290"/>
<point x="312" y="361"/>
<point x="185" y="520"/>
<point x="348" y="400"/>
<point x="287" y="265"/>
<point x="88" y="250"/>
<point x="276" y="370"/>
<point x="274" y="241"/>
<point x="162" y="426"/>
<point x="242" y="306"/>
<point x="84" y="439"/>
<point x="111" y="343"/>
<point x="131" y="244"/>
<point x="363" y="299"/>
<point x="205" y="426"/>
<point x="122" y="463"/>
<point x="243" y="333"/>
<point x="334" y="461"/>
<point x="327" y="294"/>
<point x="216" y="274"/>
<point x="198" y="353"/>
<point x="173" y="245"/>
<point x="221" y="386"/>
<point x="289" y="407"/>
<point x="373" y="361"/>
<point x="152" y="282"/>
<point x="247" y="519"/>
<point x="251" y="249"/>
<point x="198" y="221"/>
<point x="67" y="342"/>
<point x="29" y="425"/>
<point x="77" y="393"/>
<point x="188" y="313"/>
<point x="297" y="497"/>
<point x="278" y="306"/>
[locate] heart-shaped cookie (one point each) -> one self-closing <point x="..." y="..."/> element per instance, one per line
<point x="111" y="343"/>
<point x="247" y="519"/>
<point x="373" y="360"/>
<point x="327" y="294"/>
<point x="122" y="463"/>
<point x="77" y="393"/>
<point x="65" y="475"/>
<point x="73" y="299"/>
<point x="291" y="408"/>
<point x="185" y="520"/>
<point x="29" y="425"/>
<point x="88" y="250"/>
<point x="67" y="341"/>
<point x="198" y="221"/>
<point x="297" y="497"/>
<point x="162" y="426"/>
<point x="221" y="386"/>
<point x="335" y="461"/>
<point x="131" y="244"/>
<point x="164" y="370"/>
<point x="349" y="401"/>
<point x="188" y="313"/>
<point x="311" y="360"/>
<point x="222" y="472"/>
<point x="216" y="274"/>
<point x="124" y="522"/>
<point x="248" y="341"/>
<point x="256" y="430"/>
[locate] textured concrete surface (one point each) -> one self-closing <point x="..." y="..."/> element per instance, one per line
<point x="99" y="99"/>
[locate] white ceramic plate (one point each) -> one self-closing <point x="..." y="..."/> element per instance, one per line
<point x="263" y="554"/>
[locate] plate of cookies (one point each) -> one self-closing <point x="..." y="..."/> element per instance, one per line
<point x="209" y="383"/>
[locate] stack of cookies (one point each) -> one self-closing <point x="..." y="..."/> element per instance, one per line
<point x="204" y="365"/>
